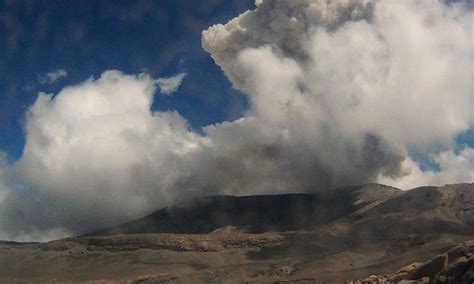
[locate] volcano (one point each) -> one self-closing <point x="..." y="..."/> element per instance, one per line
<point x="333" y="236"/>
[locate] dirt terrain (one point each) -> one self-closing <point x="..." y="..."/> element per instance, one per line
<point x="331" y="237"/>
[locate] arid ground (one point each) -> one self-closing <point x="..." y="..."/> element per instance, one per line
<point x="331" y="237"/>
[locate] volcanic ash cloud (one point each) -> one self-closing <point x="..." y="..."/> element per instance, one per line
<point x="355" y="85"/>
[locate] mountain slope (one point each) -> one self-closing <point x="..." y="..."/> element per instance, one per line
<point x="371" y="211"/>
<point x="258" y="213"/>
<point x="423" y="211"/>
<point x="329" y="237"/>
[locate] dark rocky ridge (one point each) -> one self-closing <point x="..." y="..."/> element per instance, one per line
<point x="258" y="213"/>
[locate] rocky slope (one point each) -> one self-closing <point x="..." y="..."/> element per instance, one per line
<point x="330" y="237"/>
<point x="453" y="266"/>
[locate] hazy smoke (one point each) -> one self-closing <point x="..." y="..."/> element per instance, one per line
<point x="340" y="92"/>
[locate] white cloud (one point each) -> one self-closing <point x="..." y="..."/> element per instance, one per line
<point x="338" y="91"/>
<point x="53" y="77"/>
<point x="453" y="168"/>
<point x="96" y="155"/>
<point x="326" y="73"/>
<point x="171" y="84"/>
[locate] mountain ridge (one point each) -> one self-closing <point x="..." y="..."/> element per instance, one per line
<point x="261" y="212"/>
<point x="346" y="234"/>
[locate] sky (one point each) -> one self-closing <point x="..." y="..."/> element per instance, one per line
<point x="110" y="110"/>
<point x="161" y="38"/>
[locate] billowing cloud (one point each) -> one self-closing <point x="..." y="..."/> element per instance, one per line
<point x="331" y="72"/>
<point x="169" y="85"/>
<point x="53" y="76"/>
<point x="95" y="154"/>
<point x="339" y="92"/>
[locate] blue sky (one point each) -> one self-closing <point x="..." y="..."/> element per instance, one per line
<point x="158" y="37"/>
